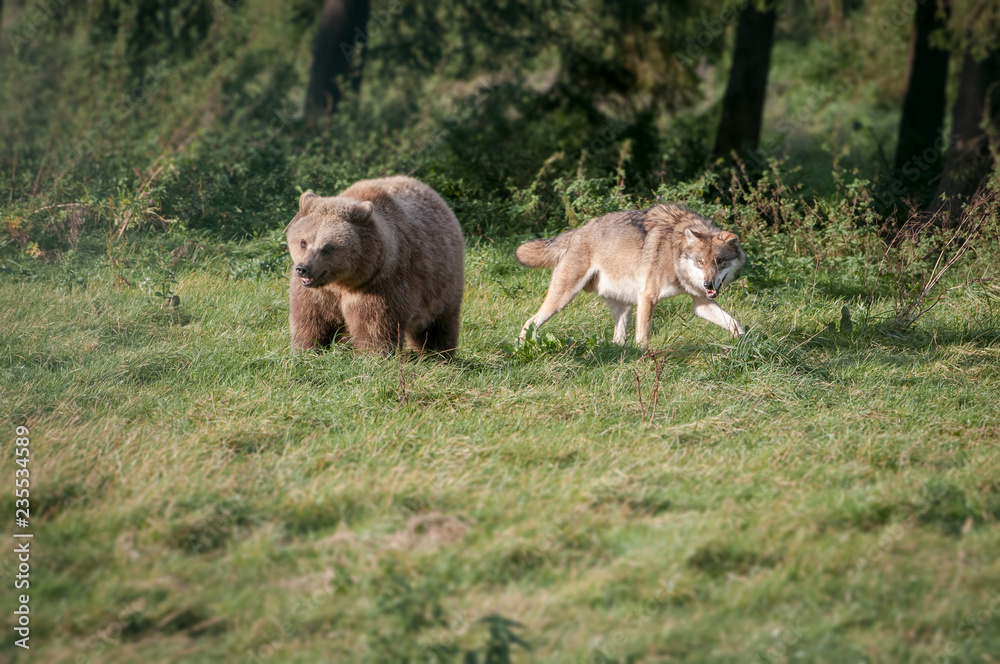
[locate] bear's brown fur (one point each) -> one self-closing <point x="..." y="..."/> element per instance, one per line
<point x="380" y="265"/>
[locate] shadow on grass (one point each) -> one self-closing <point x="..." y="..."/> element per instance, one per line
<point x="588" y="351"/>
<point x="756" y="351"/>
<point x="887" y="333"/>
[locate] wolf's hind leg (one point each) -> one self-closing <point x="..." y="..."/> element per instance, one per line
<point x="707" y="308"/>
<point x="622" y="313"/>
<point x="568" y="279"/>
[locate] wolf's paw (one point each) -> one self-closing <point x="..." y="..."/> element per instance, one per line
<point x="529" y="331"/>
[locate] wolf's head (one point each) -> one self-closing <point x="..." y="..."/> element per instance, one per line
<point x="711" y="259"/>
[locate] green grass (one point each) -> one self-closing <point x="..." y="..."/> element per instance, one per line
<point x="202" y="494"/>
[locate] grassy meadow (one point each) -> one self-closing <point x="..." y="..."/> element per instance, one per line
<point x="824" y="489"/>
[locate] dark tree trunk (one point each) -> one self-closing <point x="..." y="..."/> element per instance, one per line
<point x="743" y="104"/>
<point x="923" y="107"/>
<point x="337" y="59"/>
<point x="975" y="115"/>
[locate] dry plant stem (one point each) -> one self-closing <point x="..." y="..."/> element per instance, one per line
<point x="971" y="225"/>
<point x="40" y="170"/>
<point x="659" y="362"/>
<point x="61" y="205"/>
<point x="404" y="396"/>
<point x="623" y="156"/>
<point x="13" y="176"/>
<point x="638" y="391"/>
<point x="657" y="371"/>
<point x="177" y="145"/>
<point x="154" y="171"/>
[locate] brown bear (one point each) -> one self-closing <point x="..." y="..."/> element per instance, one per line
<point x="380" y="265"/>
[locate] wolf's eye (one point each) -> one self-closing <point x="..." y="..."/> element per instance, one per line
<point x="700" y="262"/>
<point x="302" y="244"/>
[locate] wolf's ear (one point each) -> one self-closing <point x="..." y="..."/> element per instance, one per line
<point x="363" y="211"/>
<point x="305" y="200"/>
<point x="729" y="238"/>
<point x="693" y="236"/>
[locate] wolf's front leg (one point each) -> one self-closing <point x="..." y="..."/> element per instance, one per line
<point x="707" y="308"/>
<point x="644" y="318"/>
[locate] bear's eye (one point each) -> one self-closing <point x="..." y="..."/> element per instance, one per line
<point x="302" y="244"/>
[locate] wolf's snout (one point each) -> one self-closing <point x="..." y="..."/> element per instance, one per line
<point x="709" y="285"/>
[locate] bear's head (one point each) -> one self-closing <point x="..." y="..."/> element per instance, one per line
<point x="331" y="240"/>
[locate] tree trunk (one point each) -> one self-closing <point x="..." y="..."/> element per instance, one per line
<point x="743" y="104"/>
<point x="337" y="59"/>
<point x="975" y="116"/>
<point x="923" y="107"/>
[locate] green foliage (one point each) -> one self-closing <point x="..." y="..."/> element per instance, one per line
<point x="538" y="344"/>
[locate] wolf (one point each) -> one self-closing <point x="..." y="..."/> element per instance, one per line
<point x="635" y="258"/>
<point x="381" y="265"/>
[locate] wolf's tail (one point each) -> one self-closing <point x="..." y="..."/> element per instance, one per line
<point x="543" y="253"/>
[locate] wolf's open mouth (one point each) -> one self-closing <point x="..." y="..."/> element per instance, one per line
<point x="307" y="282"/>
<point x="711" y="292"/>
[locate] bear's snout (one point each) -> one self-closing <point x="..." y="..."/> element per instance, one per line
<point x="304" y="270"/>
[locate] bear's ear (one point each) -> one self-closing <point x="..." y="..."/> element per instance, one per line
<point x="363" y="211"/>
<point x="305" y="200"/>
